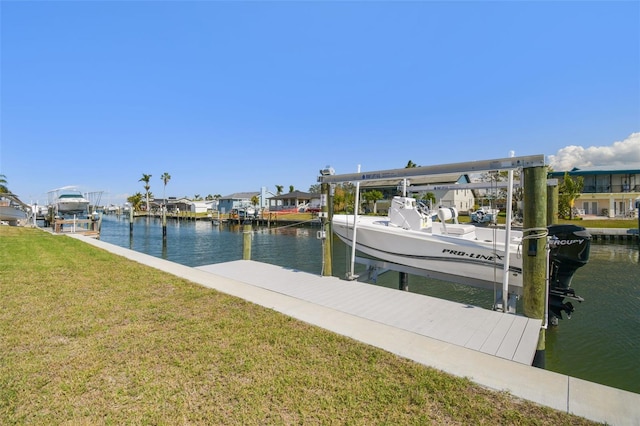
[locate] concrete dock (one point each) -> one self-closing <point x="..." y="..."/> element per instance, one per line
<point x="489" y="356"/>
<point x="614" y="234"/>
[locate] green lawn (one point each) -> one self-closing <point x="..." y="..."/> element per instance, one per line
<point x="87" y="337"/>
<point x="590" y="223"/>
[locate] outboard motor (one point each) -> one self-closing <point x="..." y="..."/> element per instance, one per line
<point x="569" y="250"/>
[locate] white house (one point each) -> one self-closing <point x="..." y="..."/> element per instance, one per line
<point x="462" y="199"/>
<point x="200" y="206"/>
<point x="609" y="191"/>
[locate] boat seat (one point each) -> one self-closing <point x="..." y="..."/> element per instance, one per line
<point x="458" y="229"/>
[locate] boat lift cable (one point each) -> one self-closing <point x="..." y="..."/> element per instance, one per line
<point x="545" y="320"/>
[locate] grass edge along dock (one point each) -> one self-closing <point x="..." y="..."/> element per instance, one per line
<point x="91" y="337"/>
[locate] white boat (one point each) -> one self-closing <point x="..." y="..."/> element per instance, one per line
<point x="485" y="215"/>
<point x="11" y="213"/>
<point x="410" y="236"/>
<point x="70" y="201"/>
<point x="10" y="210"/>
<point x="246" y="212"/>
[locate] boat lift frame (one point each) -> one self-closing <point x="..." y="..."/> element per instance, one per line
<point x="501" y="164"/>
<point x="509" y="163"/>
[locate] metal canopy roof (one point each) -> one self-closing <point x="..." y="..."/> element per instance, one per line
<point x="508" y="163"/>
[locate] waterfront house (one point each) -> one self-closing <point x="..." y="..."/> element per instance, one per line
<point x="462" y="199"/>
<point x="293" y="201"/>
<point x="201" y="206"/>
<point x="238" y="200"/>
<point x="173" y="205"/>
<point x="609" y="191"/>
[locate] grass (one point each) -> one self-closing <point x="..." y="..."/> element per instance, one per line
<point x="590" y="223"/>
<point x="87" y="337"/>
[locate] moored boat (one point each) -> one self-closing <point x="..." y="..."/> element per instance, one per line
<point x="410" y="236"/>
<point x="12" y="210"/>
<point x="69" y="201"/>
<point x="485" y="215"/>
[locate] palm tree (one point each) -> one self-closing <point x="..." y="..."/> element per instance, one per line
<point x="411" y="165"/>
<point x="135" y="201"/>
<point x="569" y="189"/>
<point x="279" y="189"/>
<point x="3" y="185"/>
<point x="166" y="177"/>
<point x="146" y="178"/>
<point x="291" y="188"/>
<point x="371" y="197"/>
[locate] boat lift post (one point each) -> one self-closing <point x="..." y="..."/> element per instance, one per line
<point x="534" y="262"/>
<point x="507" y="238"/>
<point x="326" y="211"/>
<point x="352" y="275"/>
<point x="552" y="202"/>
<point x="403" y="277"/>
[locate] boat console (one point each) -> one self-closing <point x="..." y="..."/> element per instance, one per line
<point x="405" y="213"/>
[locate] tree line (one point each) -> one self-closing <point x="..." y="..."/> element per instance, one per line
<point x="344" y="193"/>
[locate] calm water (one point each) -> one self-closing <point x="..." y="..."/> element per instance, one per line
<point x="601" y="343"/>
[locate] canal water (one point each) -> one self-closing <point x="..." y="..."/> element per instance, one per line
<point x="600" y="343"/>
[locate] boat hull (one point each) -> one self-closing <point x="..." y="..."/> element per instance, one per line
<point x="12" y="214"/>
<point x="72" y="204"/>
<point x="478" y="260"/>
<point x="72" y="207"/>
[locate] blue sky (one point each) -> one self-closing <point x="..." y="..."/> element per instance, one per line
<point x="232" y="96"/>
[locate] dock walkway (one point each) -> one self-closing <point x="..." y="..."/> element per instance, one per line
<point x="270" y="286"/>
<point x="507" y="336"/>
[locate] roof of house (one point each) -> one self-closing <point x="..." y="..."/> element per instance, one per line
<point x="240" y="196"/>
<point x="294" y="194"/>
<point x="598" y="170"/>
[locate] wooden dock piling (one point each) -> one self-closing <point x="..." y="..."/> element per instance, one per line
<point x="246" y="246"/>
<point x="534" y="263"/>
<point x="164" y="225"/>
<point x="552" y="204"/>
<point x="131" y="222"/>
